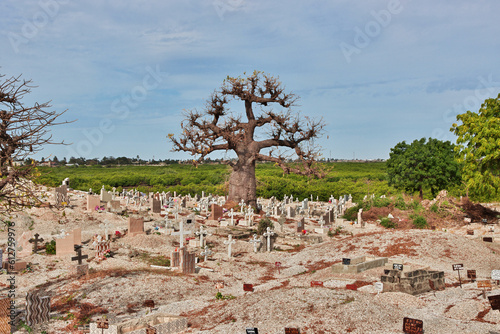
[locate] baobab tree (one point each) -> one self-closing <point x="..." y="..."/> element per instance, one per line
<point x="218" y="128"/>
<point x="24" y="130"/>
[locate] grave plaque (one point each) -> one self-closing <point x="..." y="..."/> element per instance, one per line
<point x="102" y="323"/>
<point x="346" y="261"/>
<point x="248" y="287"/>
<point x="379" y="286"/>
<point x="471" y="274"/>
<point x="351" y="287"/>
<point x="252" y="330"/>
<point x="495" y="275"/>
<point x="458" y="266"/>
<point x="470" y="232"/>
<point x="397" y="266"/>
<point x="467" y="220"/>
<point x="483" y="284"/>
<point x="386" y="271"/>
<point x="413" y="326"/>
<point x="316" y="283"/>
<point x="495" y="302"/>
<point x="487" y="239"/>
<point x="291" y="330"/>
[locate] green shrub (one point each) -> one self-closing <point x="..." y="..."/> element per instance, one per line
<point x="381" y="202"/>
<point x="351" y="214"/>
<point x="400" y="203"/>
<point x="50" y="248"/>
<point x="419" y="221"/>
<point x="434" y="208"/>
<point x="387" y="223"/>
<point x="263" y="224"/>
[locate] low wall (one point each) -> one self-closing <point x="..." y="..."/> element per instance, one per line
<point x="359" y="264"/>
<point x="413" y="282"/>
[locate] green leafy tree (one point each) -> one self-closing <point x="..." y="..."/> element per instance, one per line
<point x="423" y="165"/>
<point x="478" y="149"/>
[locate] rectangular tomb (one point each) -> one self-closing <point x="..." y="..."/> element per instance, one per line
<point x="163" y="323"/>
<point x="359" y="264"/>
<point x="413" y="282"/>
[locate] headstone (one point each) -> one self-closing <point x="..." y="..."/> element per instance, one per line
<point x="66" y="245"/>
<point x="202" y="233"/>
<point x="35" y="242"/>
<point x="61" y="194"/>
<point x="255" y="242"/>
<point x="155" y="205"/>
<point x="24" y="247"/>
<point x="229" y="242"/>
<point x="248" y="287"/>
<point x="316" y="283"/>
<point x="135" y="226"/>
<point x="495" y="302"/>
<point x="495" y="275"/>
<point x="37" y="308"/>
<point x="300" y="225"/>
<point x="346" y="261"/>
<point x="79" y="269"/>
<point x="470" y="232"/>
<point x="487" y="239"/>
<point x="290" y="212"/>
<point x="351" y="287"/>
<point x="5" y="321"/>
<point x="216" y="212"/>
<point x="413" y="326"/>
<point x="268" y="234"/>
<point x="397" y="266"/>
<point x="289" y="330"/>
<point x="471" y="274"/>
<point x="205" y="253"/>
<point x="181" y="233"/>
<point x="184" y="260"/>
<point x="92" y="202"/>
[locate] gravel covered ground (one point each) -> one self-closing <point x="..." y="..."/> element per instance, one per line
<point x="119" y="286"/>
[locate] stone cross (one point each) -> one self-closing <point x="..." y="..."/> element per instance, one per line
<point x="232" y="215"/>
<point x="202" y="233"/>
<point x="79" y="257"/>
<point x="206" y="253"/>
<point x="35" y="241"/>
<point x="268" y="234"/>
<point x="105" y="226"/>
<point x="255" y="241"/>
<point x="181" y="234"/>
<point x="229" y="242"/>
<point x="242" y="205"/>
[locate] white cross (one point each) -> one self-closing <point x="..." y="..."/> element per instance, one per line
<point x="229" y="242"/>
<point x="255" y="241"/>
<point x="202" y="233"/>
<point x="268" y="235"/>
<point x="232" y="214"/>
<point x="321" y="222"/>
<point x="181" y="234"/>
<point x="242" y="205"/>
<point x="206" y="253"/>
<point x="105" y="226"/>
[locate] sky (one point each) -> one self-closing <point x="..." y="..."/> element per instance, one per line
<point x="377" y="72"/>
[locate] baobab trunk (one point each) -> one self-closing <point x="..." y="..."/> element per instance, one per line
<point x="242" y="184"/>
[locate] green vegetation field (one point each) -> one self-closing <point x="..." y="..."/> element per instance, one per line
<point x="356" y="178"/>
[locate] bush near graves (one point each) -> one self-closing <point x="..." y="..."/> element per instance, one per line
<point x="50" y="247"/>
<point x="419" y="221"/>
<point x="263" y="224"/>
<point x="388" y="223"/>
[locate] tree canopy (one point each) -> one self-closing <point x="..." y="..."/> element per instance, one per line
<point x="423" y="165"/>
<point x="24" y="130"/>
<point x="267" y="109"/>
<point x="478" y="150"/>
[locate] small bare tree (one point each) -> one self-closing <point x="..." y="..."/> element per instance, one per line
<point x="24" y="130"/>
<point x="218" y="128"/>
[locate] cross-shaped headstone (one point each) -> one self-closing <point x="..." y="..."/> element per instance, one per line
<point x="206" y="253"/>
<point x="202" y="233"/>
<point x="255" y="241"/>
<point x="268" y="234"/>
<point x="242" y="205"/>
<point x="229" y="242"/>
<point x="79" y="257"/>
<point x="181" y="233"/>
<point x="35" y="241"/>
<point x="232" y="215"/>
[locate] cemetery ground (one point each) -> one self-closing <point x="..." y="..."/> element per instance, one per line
<point x="295" y="285"/>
